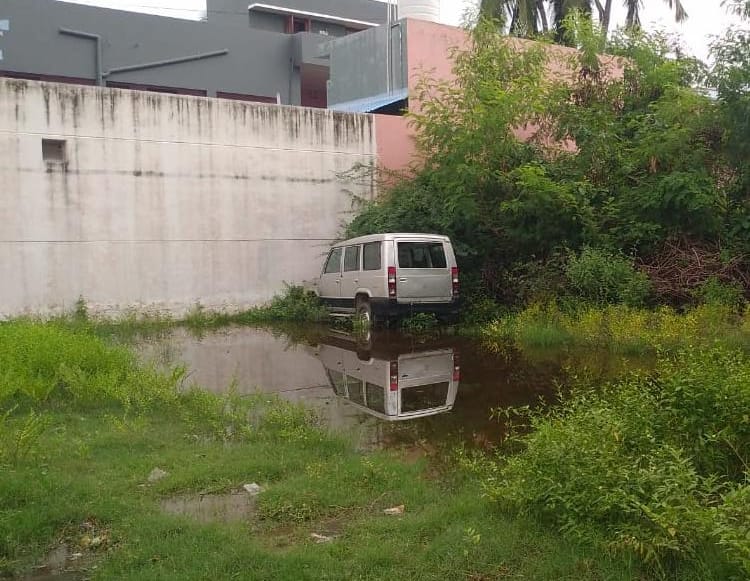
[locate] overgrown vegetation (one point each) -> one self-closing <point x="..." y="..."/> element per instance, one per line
<point x="605" y="206"/>
<point x="293" y="306"/>
<point x="624" y="166"/>
<point x="82" y="426"/>
<point x="655" y="465"/>
<point x="621" y="328"/>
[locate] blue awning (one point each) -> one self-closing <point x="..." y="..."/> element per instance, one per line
<point x="370" y="104"/>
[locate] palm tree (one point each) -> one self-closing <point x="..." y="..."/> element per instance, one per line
<point x="528" y="18"/>
<point x="633" y="17"/>
<point x="525" y="18"/>
<point x="561" y="9"/>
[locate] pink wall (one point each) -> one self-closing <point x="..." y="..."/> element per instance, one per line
<point x="395" y="139"/>
<point x="429" y="49"/>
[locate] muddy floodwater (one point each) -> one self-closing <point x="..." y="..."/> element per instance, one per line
<point x="384" y="389"/>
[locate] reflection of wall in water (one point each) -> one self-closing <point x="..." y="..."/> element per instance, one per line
<point x="254" y="358"/>
<point x="259" y="361"/>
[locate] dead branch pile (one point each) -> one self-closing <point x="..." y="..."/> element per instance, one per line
<point x="681" y="266"/>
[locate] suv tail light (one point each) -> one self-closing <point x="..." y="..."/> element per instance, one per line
<point x="454" y="281"/>
<point x="456" y="367"/>
<point x="394" y="375"/>
<point x="392" y="282"/>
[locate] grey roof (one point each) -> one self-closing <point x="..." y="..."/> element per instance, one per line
<point x="367" y="10"/>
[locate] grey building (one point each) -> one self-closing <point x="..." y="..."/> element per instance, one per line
<point x="271" y="51"/>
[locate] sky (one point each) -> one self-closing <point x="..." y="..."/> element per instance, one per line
<point x="706" y="18"/>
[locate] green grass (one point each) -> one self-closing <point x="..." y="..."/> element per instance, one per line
<point x="82" y="425"/>
<point x="286" y="310"/>
<point x="621" y="329"/>
<point x="654" y="464"/>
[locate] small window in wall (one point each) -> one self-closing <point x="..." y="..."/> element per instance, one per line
<point x="295" y="24"/>
<point x="371" y="256"/>
<point x="53" y="150"/>
<point x="300" y="25"/>
<point x="351" y="258"/>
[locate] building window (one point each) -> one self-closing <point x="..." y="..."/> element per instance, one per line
<point x="296" y="24"/>
<point x="157" y="89"/>
<point x="53" y="150"/>
<point x="244" y="97"/>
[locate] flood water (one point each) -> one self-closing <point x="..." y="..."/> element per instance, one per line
<point x="384" y="390"/>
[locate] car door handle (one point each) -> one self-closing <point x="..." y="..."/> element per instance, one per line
<point x="402" y="279"/>
<point x="356" y="280"/>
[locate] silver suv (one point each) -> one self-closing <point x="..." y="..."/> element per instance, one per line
<point x="385" y="276"/>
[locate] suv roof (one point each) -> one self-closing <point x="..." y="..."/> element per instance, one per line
<point x="391" y="236"/>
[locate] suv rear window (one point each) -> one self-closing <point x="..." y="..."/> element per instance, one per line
<point x="421" y="255"/>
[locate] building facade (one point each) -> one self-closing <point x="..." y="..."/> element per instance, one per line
<point x="270" y="52"/>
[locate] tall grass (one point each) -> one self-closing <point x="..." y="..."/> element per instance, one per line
<point x="41" y="364"/>
<point x="294" y="305"/>
<point x="657" y="465"/>
<point x="622" y="329"/>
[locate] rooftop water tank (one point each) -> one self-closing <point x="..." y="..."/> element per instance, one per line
<point x="419" y="9"/>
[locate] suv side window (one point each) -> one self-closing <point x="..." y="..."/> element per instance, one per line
<point x="371" y="256"/>
<point x="333" y="264"/>
<point x="351" y="258"/>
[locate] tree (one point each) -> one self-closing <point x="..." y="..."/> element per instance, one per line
<point x="652" y="162"/>
<point x="633" y="18"/>
<point x="524" y="18"/>
<point x="739" y="7"/>
<point x="528" y="18"/>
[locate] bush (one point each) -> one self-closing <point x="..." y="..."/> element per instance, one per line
<point x="643" y="462"/>
<point x="294" y="305"/>
<point x="715" y="292"/>
<point x="604" y="277"/>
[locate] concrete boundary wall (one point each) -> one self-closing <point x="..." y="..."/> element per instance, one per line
<point x="158" y="202"/>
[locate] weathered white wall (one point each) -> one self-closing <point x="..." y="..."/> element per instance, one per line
<point x="166" y="201"/>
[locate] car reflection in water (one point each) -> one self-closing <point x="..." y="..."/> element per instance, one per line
<point x="388" y="380"/>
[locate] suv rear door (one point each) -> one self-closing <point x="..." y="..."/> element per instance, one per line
<point x="423" y="271"/>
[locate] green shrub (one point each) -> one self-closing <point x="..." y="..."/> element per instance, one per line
<point x="294" y="305"/>
<point x="643" y="462"/>
<point x="419" y="323"/>
<point x="732" y="526"/>
<point x="604" y="277"/>
<point x="715" y="292"/>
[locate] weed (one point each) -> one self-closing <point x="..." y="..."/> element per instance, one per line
<point x="20" y="438"/>
<point x="419" y="323"/>
<point x="620" y="328"/>
<point x="295" y="304"/>
<point x="643" y="463"/>
<point x="715" y="292"/>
